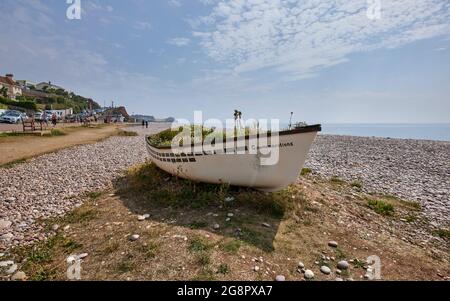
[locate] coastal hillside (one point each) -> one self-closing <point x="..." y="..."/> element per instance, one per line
<point x="33" y="100"/>
<point x="59" y="100"/>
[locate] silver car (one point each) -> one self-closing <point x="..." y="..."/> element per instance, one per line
<point x="13" y="117"/>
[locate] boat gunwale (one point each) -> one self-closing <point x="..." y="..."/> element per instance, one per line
<point x="300" y="130"/>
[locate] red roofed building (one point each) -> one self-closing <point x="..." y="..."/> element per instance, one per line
<point x="12" y="88"/>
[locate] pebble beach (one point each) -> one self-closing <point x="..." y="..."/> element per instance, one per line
<point x="53" y="184"/>
<point x="413" y="170"/>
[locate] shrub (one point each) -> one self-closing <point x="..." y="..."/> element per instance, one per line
<point x="25" y="104"/>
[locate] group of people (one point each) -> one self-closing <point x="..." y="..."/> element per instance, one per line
<point x="145" y="124"/>
<point x="53" y="118"/>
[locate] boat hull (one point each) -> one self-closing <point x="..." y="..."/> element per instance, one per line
<point x="241" y="169"/>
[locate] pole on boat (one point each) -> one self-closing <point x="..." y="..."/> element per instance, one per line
<point x="237" y="120"/>
<point x="236" y="113"/>
<point x="290" y="121"/>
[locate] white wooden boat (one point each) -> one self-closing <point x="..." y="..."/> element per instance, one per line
<point x="238" y="167"/>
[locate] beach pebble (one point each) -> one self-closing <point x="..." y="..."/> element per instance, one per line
<point x="83" y="255"/>
<point x="7" y="237"/>
<point x="229" y="199"/>
<point x="4" y="224"/>
<point x="343" y="265"/>
<point x="301" y="265"/>
<point x="309" y="274"/>
<point x="55" y="227"/>
<point x="146" y="216"/>
<point x="326" y="270"/>
<point x="216" y="226"/>
<point x="183" y="237"/>
<point x="141" y="218"/>
<point x="4" y="264"/>
<point x="339" y="279"/>
<point x="230" y="214"/>
<point x="256" y="268"/>
<point x="134" y="237"/>
<point x="19" y="276"/>
<point x="12" y="269"/>
<point x="266" y="225"/>
<point x="333" y="244"/>
<point x="280" y="278"/>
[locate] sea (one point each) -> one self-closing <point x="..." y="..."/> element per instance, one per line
<point x="439" y="132"/>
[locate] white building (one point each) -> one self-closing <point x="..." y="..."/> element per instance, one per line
<point x="25" y="84"/>
<point x="45" y="86"/>
<point x="11" y="88"/>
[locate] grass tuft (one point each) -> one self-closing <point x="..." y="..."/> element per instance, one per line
<point x="231" y="246"/>
<point x="126" y="265"/>
<point x="356" y="184"/>
<point x="223" y="269"/>
<point x="195" y="225"/>
<point x="124" y="133"/>
<point x="13" y="164"/>
<point x="381" y="207"/>
<point x="443" y="233"/>
<point x="151" y="250"/>
<point x="306" y="171"/>
<point x="197" y="244"/>
<point x="94" y="195"/>
<point x="336" y="180"/>
<point x="80" y="215"/>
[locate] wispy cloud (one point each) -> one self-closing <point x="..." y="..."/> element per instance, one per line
<point x="142" y="25"/>
<point x="179" y="42"/>
<point x="298" y="38"/>
<point x="174" y="3"/>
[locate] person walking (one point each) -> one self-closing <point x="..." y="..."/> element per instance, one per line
<point x="143" y="123"/>
<point x="54" y="119"/>
<point x="45" y="118"/>
<point x="146" y="124"/>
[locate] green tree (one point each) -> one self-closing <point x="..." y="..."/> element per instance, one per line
<point x="4" y="92"/>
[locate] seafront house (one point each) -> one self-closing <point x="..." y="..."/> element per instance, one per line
<point x="9" y="87"/>
<point x="47" y="86"/>
<point x="25" y="84"/>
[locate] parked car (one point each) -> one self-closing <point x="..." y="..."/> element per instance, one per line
<point x="13" y="117"/>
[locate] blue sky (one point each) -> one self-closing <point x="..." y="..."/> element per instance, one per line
<point x="325" y="60"/>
